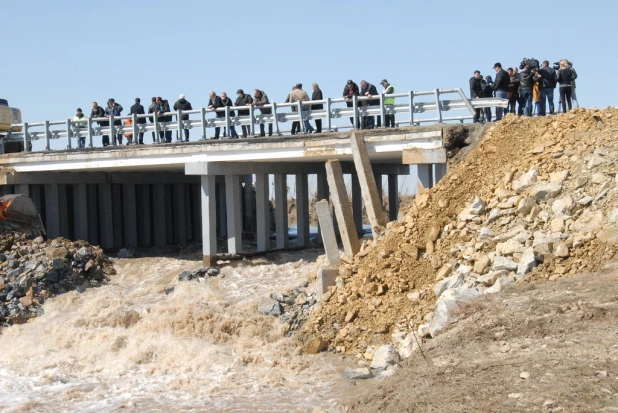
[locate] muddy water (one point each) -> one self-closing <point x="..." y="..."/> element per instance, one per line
<point x="129" y="346"/>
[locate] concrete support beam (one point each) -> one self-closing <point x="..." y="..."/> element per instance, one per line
<point x="417" y="156"/>
<point x="169" y="214"/>
<point x="144" y="214"/>
<point x="328" y="232"/>
<point x="281" y="210"/>
<point x="80" y="211"/>
<point x="343" y="209"/>
<point x="262" y="211"/>
<point x="248" y="204"/>
<point x="105" y="216"/>
<point x="180" y="226"/>
<point x="64" y="212"/>
<point x="380" y="186"/>
<point x="196" y="212"/>
<point x="209" y="217"/>
<point x="129" y="209"/>
<point x="23" y="189"/>
<point x="117" y="216"/>
<point x="52" y="211"/>
<point x="234" y="209"/>
<point x="393" y="197"/>
<point x="425" y="175"/>
<point x="221" y="210"/>
<point x="93" y="214"/>
<point x="440" y="169"/>
<point x="322" y="193"/>
<point x="302" y="210"/>
<point x="35" y="195"/>
<point x="158" y="214"/>
<point x="357" y="204"/>
<point x="367" y="183"/>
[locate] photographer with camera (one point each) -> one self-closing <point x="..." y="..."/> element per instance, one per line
<point x="501" y="87"/>
<point x="566" y="78"/>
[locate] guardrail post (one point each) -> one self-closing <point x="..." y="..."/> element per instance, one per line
<point x="382" y="111"/>
<point x="203" y="120"/>
<point x="90" y="132"/>
<point x="47" y="136"/>
<point x="26" y="137"/>
<point x="251" y="109"/>
<point x="355" y="107"/>
<point x="439" y="108"/>
<point x="276" y="119"/>
<point x="227" y="122"/>
<point x="179" y="122"/>
<point x="112" y="132"/>
<point x="69" y="133"/>
<point x="411" y="108"/>
<point x="135" y="129"/>
<point x="329" y="122"/>
<point x="157" y="127"/>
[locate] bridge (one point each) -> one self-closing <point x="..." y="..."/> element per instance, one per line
<point x="181" y="192"/>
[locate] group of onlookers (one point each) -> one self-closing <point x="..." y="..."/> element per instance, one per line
<point x="522" y="88"/>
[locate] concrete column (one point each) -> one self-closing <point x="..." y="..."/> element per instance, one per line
<point x="129" y="209"/>
<point x="23" y="189"/>
<point x="343" y="209"/>
<point x="322" y="193"/>
<point x="262" y="211"/>
<point x="144" y="233"/>
<point x="93" y="214"/>
<point x="281" y="210"/>
<point x="158" y="215"/>
<point x="380" y="187"/>
<point x="234" y="212"/>
<point x="117" y="215"/>
<point x="440" y="170"/>
<point x="393" y="197"/>
<point x="180" y="226"/>
<point x="196" y="211"/>
<point x="221" y="210"/>
<point x="105" y="215"/>
<point x="248" y="211"/>
<point x="357" y="204"/>
<point x="52" y="211"/>
<point x="169" y="214"/>
<point x="328" y="232"/>
<point x="64" y="211"/>
<point x="188" y="215"/>
<point x="367" y="182"/>
<point x="35" y="195"/>
<point x="80" y="211"/>
<point x="425" y="175"/>
<point x="302" y="210"/>
<point x="209" y="207"/>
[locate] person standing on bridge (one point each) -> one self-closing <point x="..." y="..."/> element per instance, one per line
<point x="260" y="99"/>
<point x="183" y="104"/>
<point x="295" y="124"/>
<point x="349" y="91"/>
<point x="99" y="112"/>
<point x="80" y="121"/>
<point x="501" y="87"/>
<point x="114" y="109"/>
<point x="215" y="103"/>
<point x="163" y="107"/>
<point x="368" y="90"/>
<point x="138" y="109"/>
<point x="299" y="95"/>
<point x="152" y="109"/>
<point x="476" y="91"/>
<point x="317" y="95"/>
<point x="389" y="121"/>
<point x="228" y="102"/>
<point x="244" y="100"/>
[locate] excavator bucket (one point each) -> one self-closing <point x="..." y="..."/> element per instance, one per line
<point x="17" y="212"/>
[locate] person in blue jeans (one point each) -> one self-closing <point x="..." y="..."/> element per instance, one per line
<point x="501" y="87"/>
<point x="547" y="76"/>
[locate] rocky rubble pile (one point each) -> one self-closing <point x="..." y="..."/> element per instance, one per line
<point x="293" y="307"/>
<point x="535" y="200"/>
<point x="32" y="270"/>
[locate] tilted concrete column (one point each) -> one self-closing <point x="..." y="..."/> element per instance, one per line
<point x="328" y="232"/>
<point x="343" y="209"/>
<point x="52" y="211"/>
<point x="180" y="226"/>
<point x="425" y="175"/>
<point x="262" y="211"/>
<point x="158" y="214"/>
<point x="281" y="210"/>
<point x="64" y="211"/>
<point x="357" y="204"/>
<point x="93" y="214"/>
<point x="117" y="215"/>
<point x="209" y="217"/>
<point x="144" y="233"/>
<point x="129" y="209"/>
<point x="367" y="182"/>
<point x="80" y="211"/>
<point x="322" y="193"/>
<point x="440" y="170"/>
<point x="23" y="189"/>
<point x="302" y="210"/>
<point x="105" y="215"/>
<point x="234" y="209"/>
<point x="393" y="197"/>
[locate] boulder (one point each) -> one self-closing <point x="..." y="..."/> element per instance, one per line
<point x="268" y="306"/>
<point x="613" y="216"/>
<point x="406" y="346"/>
<point x="559" y="176"/>
<point x="361" y="373"/>
<point x="314" y="345"/>
<point x="525" y="181"/>
<point x="525" y="205"/>
<point x="544" y="191"/>
<point x="444" y="272"/>
<point x="561" y="250"/>
<point x="503" y="263"/>
<point x="482" y="265"/>
<point x="453" y="281"/>
<point x="527" y="262"/>
<point x="599" y="178"/>
<point x="490" y="278"/>
<point x="447" y="307"/>
<point x="383" y="357"/>
<point x="125" y="253"/>
<point x="509" y="247"/>
<point x="563" y="206"/>
<point x="56" y="252"/>
<point x="588" y="221"/>
<point x="499" y="284"/>
<point x="608" y="234"/>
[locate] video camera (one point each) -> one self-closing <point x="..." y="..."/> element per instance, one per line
<point x="557" y="64"/>
<point x="532" y="63"/>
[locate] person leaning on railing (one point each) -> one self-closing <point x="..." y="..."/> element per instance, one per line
<point x="80" y="121"/>
<point x="98" y="112"/>
<point x="389" y="119"/>
<point x="260" y="99"/>
<point x="299" y="95"/>
<point x="349" y="91"/>
<point x="183" y="104"/>
<point x="138" y="109"/>
<point x="243" y="100"/>
<point x="228" y="102"/>
<point x="369" y="90"/>
<point x="114" y="109"/>
<point x="215" y="103"/>
<point x="163" y="107"/>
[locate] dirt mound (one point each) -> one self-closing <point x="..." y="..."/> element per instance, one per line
<point x="534" y="200"/>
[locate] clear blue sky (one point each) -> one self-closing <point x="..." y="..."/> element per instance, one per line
<point x="60" y="55"/>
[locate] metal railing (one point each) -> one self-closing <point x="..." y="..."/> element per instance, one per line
<point x="356" y="108"/>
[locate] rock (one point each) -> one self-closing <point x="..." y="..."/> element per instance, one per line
<point x="557" y="225"/>
<point x="613" y="216"/>
<point x="608" y="234"/>
<point x="454" y="281"/>
<point x="538" y="150"/>
<point x="500" y="283"/>
<point x="524" y="375"/>
<point x="185" y="276"/>
<point x="559" y="176"/>
<point x="268" y="306"/>
<point x="432" y="233"/>
<point x="314" y="345"/>
<point x="595" y="161"/>
<point x="56" y="252"/>
<point x="525" y="205"/>
<point x="490" y="278"/>
<point x="599" y="178"/>
<point x="383" y="357"/>
<point x="518" y="234"/>
<point x="509" y="247"/>
<point x="213" y="272"/>
<point x="350" y="316"/>
<point x="410" y="250"/>
<point x="58" y="264"/>
<point x="414" y="296"/>
<point x="525" y="181"/>
<point x="482" y="265"/>
<point x="477" y="207"/>
<point x="407" y="346"/>
<point x="448" y="306"/>
<point x="601" y="373"/>
<point x="548" y="404"/>
<point x="503" y="263"/>
<point x="543" y="191"/>
<point x="527" y="262"/>
<point x="89" y="265"/>
<point x="515" y="396"/>
<point x="485" y="233"/>
<point x="358" y="374"/>
<point x="588" y="221"/>
<point x="561" y="250"/>
<point x="580" y="181"/>
<point x="494" y="215"/>
<point x="586" y="200"/>
<point x="444" y="272"/>
<point x="82" y="254"/>
<point x="125" y="253"/>
<point x="562" y="206"/>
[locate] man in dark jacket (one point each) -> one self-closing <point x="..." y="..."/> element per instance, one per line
<point x="163" y="107"/>
<point x="99" y="112"/>
<point x="370" y="91"/>
<point x="260" y="99"/>
<point x="501" y="87"/>
<point x="152" y="109"/>
<point x="476" y="91"/>
<point x="526" y="83"/>
<point x="488" y="92"/>
<point x="138" y="109"/>
<point x="317" y="95"/>
<point x="183" y="104"/>
<point x="547" y="74"/>
<point x="114" y="109"/>
<point x="228" y="102"/>
<point x="215" y="103"/>
<point x="244" y="100"/>
<point x="350" y="90"/>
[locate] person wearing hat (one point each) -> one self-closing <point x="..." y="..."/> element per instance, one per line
<point x="389" y="119"/>
<point x="183" y="104"/>
<point x="114" y="109"/>
<point x="80" y="121"/>
<point x="501" y="87"/>
<point x="138" y="109"/>
<point x="244" y="100"/>
<point x="350" y="90"/>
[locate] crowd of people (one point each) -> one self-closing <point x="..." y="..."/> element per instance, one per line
<point x="534" y="83"/>
<point x="161" y="108"/>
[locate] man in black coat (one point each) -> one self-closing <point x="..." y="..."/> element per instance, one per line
<point x="370" y="91"/>
<point x="163" y="108"/>
<point x="138" y="109"/>
<point x="99" y="112"/>
<point x="183" y="104"/>
<point x="317" y="95"/>
<point x="215" y="103"/>
<point x="548" y="76"/>
<point x="244" y="100"/>
<point x="501" y="87"/>
<point x="152" y="109"/>
<point x="476" y="91"/>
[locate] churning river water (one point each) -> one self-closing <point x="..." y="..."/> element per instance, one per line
<point x="128" y="346"/>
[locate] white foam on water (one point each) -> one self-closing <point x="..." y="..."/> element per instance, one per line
<point x="129" y="346"/>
